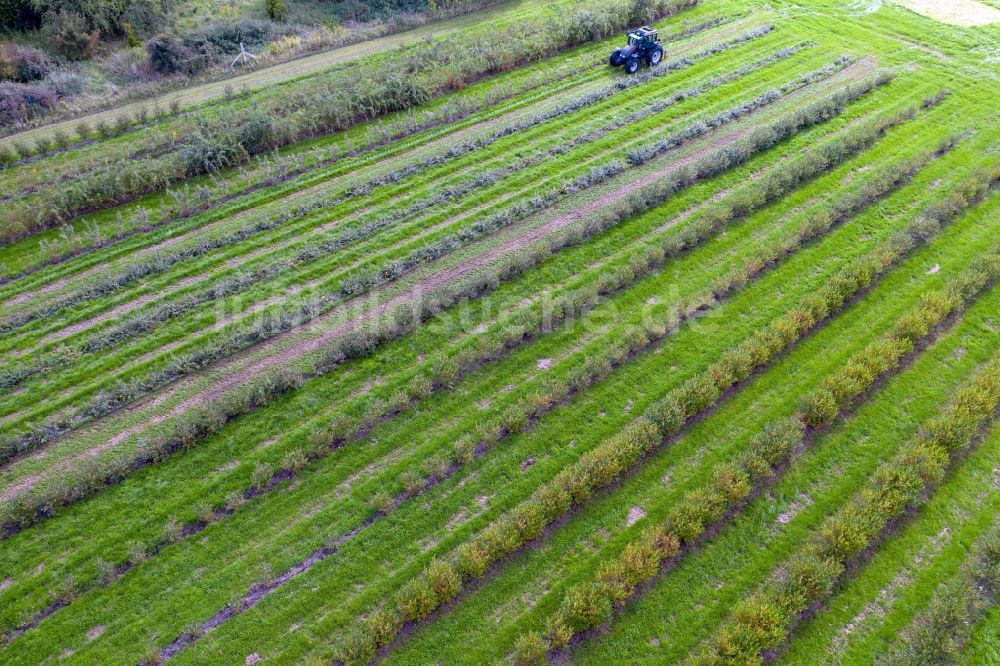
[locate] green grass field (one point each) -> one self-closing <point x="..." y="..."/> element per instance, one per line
<point x="410" y="392"/>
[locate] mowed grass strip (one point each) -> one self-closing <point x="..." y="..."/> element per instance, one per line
<point x="43" y="623"/>
<point x="713" y="575"/>
<point x="754" y="143"/>
<point x="364" y="413"/>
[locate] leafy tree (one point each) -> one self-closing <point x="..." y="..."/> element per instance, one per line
<point x="277" y="10"/>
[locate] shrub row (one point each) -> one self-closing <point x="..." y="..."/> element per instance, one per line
<point x="13" y="375"/>
<point x="448" y="367"/>
<point x="364" y="280"/>
<point x="45" y="498"/>
<point x="589" y="605"/>
<point x="763" y="620"/>
<point x="336" y="102"/>
<point x="279" y="167"/>
<point x="607" y="463"/>
<point x="445" y="369"/>
<point x="273" y="168"/>
<point x="941" y="631"/>
<point x="160" y="263"/>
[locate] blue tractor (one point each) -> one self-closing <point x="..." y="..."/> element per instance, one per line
<point x="643" y="44"/>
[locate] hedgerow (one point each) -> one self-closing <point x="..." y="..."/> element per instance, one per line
<point x="663" y="419"/>
<point x="523" y="327"/>
<point x="942" y="630"/>
<point x="733" y="483"/>
<point x="338" y="101"/>
<point x="161" y="263"/>
<point x="146" y="322"/>
<point x="762" y="621"/>
<point x="364" y="280"/>
<point x="47" y="497"/>
<point x="13" y="375"/>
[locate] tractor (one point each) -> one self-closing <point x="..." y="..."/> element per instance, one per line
<point x="643" y="44"/>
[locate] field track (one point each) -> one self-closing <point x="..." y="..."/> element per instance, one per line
<point x="275" y="75"/>
<point x="697" y="366"/>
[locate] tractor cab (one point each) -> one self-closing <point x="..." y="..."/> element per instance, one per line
<point x="643" y="36"/>
<point x="643" y="44"/>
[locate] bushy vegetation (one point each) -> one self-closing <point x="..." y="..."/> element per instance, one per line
<point x="555" y="367"/>
<point x="733" y="482"/>
<point x="336" y="102"/>
<point x="762" y="621"/>
<point x="599" y="468"/>
<point x="940" y="633"/>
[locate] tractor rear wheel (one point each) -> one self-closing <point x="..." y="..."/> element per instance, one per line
<point x="655" y="56"/>
<point x="632" y="65"/>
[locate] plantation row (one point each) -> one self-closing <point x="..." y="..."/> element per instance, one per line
<point x="404" y="317"/>
<point x="161" y="263"/>
<point x="513" y="419"/>
<point x="762" y="621"/>
<point x="335" y="102"/>
<point x="590" y="605"/>
<point x="500" y="219"/>
<point x="564" y="366"/>
<point x="444" y="369"/>
<point x="606" y="464"/>
<point x="307" y="253"/>
<point x="940" y="632"/>
<point x="444" y="373"/>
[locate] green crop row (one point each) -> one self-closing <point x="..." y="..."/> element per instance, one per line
<point x="589" y="605"/>
<point x="336" y="103"/>
<point x="607" y="463"/>
<point x="762" y="621"/>
<point x="941" y="631"/>
<point x="213" y="200"/>
<point x="720" y="161"/>
<point x="18" y="372"/>
<point x="444" y="370"/>
<point x="11" y="376"/>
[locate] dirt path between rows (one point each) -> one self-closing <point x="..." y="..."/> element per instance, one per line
<point x="245" y="369"/>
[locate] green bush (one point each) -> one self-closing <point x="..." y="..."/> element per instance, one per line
<point x="820" y="408"/>
<point x="383" y="625"/>
<point x="277" y="10"/>
<point x="70" y="34"/>
<point x="585" y="607"/>
<point x="443" y="579"/>
<point x="417" y="600"/>
<point x="167" y="55"/>
<point x="357" y="648"/>
<point x="529" y="650"/>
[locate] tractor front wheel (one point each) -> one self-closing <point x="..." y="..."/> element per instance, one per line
<point x="616" y="58"/>
<point x="632" y="65"/>
<point x="655" y="56"/>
